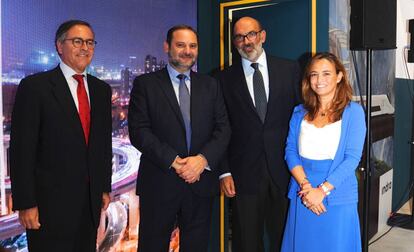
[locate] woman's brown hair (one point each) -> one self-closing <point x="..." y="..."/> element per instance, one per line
<point x="343" y="92"/>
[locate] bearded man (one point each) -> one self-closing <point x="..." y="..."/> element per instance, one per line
<point x="178" y="120"/>
<point x="260" y="92"/>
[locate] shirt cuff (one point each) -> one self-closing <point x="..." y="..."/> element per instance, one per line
<point x="224" y="175"/>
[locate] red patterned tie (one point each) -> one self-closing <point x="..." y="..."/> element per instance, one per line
<point x="84" y="110"/>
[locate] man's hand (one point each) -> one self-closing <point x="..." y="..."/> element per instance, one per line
<point x="29" y="218"/>
<point x="106" y="199"/>
<point x="178" y="163"/>
<point x="191" y="168"/>
<point x="227" y="186"/>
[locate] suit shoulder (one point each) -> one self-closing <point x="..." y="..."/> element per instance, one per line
<point x="229" y="72"/>
<point x="281" y="61"/>
<point x="205" y="77"/>
<point x="232" y="68"/>
<point x="98" y="81"/>
<point x="148" y="77"/>
<point x="37" y="80"/>
<point x="41" y="76"/>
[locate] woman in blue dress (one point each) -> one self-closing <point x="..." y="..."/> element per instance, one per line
<point x="323" y="149"/>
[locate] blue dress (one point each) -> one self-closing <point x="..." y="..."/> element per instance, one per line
<point x="336" y="230"/>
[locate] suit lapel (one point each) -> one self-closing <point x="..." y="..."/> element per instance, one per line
<point x="274" y="86"/>
<point x="93" y="104"/>
<point x="65" y="99"/>
<point x="197" y="102"/>
<point x="243" y="89"/>
<point x="168" y="90"/>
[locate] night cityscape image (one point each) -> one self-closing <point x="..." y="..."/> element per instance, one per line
<point x="130" y="36"/>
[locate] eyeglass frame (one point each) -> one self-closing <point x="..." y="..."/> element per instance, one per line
<point x="89" y="46"/>
<point x="252" y="34"/>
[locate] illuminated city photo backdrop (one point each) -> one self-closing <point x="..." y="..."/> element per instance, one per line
<point x="130" y="35"/>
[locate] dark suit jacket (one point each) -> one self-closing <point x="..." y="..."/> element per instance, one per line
<point x="156" y="128"/>
<point x="50" y="161"/>
<point x="254" y="144"/>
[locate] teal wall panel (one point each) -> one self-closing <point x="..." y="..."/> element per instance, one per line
<point x="404" y="93"/>
<point x="322" y="25"/>
<point x="209" y="35"/>
<point x="288" y="25"/>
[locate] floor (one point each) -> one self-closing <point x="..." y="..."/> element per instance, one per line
<point x="397" y="240"/>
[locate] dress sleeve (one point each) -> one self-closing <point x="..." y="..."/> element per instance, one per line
<point x="354" y="143"/>
<point x="291" y="151"/>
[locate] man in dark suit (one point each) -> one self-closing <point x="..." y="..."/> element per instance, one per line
<point x="178" y="120"/>
<point x="60" y="148"/>
<point x="260" y="93"/>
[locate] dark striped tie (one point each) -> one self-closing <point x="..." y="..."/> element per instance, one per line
<point x="259" y="92"/>
<point x="184" y="98"/>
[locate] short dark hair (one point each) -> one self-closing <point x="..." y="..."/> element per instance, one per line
<point x="179" y="27"/>
<point x="65" y="27"/>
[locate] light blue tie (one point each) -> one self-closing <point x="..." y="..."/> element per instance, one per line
<point x="184" y="98"/>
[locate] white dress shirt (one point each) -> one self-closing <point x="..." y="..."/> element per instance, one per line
<point x="249" y="71"/>
<point x="73" y="84"/>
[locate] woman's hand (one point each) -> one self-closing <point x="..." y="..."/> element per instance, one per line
<point x="318" y="209"/>
<point x="311" y="197"/>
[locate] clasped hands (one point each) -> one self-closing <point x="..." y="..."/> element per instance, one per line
<point x="190" y="168"/>
<point x="312" y="199"/>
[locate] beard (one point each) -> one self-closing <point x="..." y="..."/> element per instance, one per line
<point x="254" y="54"/>
<point x="178" y="63"/>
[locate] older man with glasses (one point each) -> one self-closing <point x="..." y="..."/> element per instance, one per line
<point x="61" y="148"/>
<point x="260" y="92"/>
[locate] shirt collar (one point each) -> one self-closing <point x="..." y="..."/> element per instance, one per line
<point x="173" y="73"/>
<point x="68" y="72"/>
<point x="261" y="60"/>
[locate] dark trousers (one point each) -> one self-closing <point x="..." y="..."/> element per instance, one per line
<point x="159" y="215"/>
<point x="81" y="240"/>
<point x="253" y="214"/>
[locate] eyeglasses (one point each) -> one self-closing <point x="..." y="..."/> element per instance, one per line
<point x="250" y="36"/>
<point x="78" y="42"/>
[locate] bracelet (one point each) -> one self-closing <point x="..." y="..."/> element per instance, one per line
<point x="304" y="181"/>
<point x="324" y="189"/>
